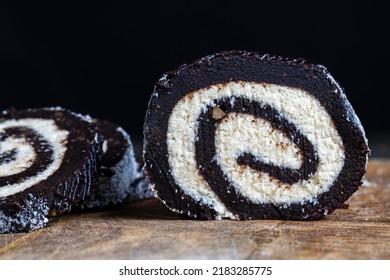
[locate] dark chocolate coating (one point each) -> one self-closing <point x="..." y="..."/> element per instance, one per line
<point x="237" y="66"/>
<point x="71" y="182"/>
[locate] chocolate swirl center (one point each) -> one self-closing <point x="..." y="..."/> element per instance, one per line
<point x="31" y="151"/>
<point x="206" y="154"/>
<point x="42" y="149"/>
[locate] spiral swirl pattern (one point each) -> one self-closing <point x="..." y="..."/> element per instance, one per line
<point x="261" y="149"/>
<point x="30" y="151"/>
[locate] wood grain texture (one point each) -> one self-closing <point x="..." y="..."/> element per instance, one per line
<point x="147" y="230"/>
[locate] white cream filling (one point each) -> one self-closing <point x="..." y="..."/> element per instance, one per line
<point x="244" y="133"/>
<point x="235" y="135"/>
<point x="25" y="156"/>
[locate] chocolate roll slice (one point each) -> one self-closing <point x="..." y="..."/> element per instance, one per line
<point x="119" y="176"/>
<point x="243" y="135"/>
<point x="48" y="161"/>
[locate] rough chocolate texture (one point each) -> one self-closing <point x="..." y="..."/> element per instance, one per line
<point x="117" y="142"/>
<point x="251" y="67"/>
<point x="70" y="183"/>
<point x="120" y="179"/>
<point x="118" y="168"/>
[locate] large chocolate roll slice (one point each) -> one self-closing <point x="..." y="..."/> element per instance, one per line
<point x="48" y="160"/>
<point x="119" y="176"/>
<point x="248" y="136"/>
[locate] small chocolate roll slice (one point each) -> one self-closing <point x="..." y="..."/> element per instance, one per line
<point x="243" y="135"/>
<point x="140" y="188"/>
<point x="48" y="161"/>
<point x="118" y="171"/>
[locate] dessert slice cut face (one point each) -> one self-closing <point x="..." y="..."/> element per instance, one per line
<point x="247" y="136"/>
<point x="48" y="160"/>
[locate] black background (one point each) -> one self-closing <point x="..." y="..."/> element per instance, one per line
<point x="103" y="60"/>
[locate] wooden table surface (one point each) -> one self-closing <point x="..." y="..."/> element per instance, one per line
<point x="147" y="230"/>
